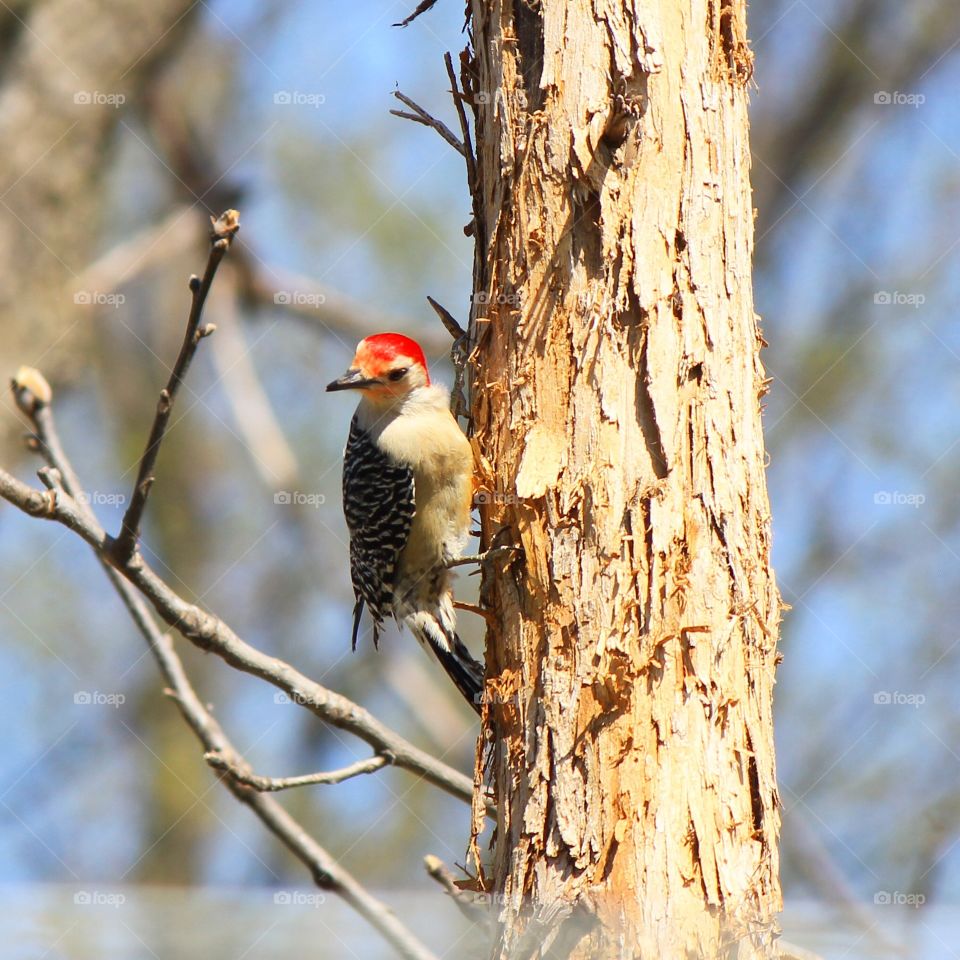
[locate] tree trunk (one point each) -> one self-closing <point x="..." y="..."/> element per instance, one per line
<point x="616" y="411"/>
<point x="69" y="71"/>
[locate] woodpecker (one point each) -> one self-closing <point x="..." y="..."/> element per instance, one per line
<point x="407" y="492"/>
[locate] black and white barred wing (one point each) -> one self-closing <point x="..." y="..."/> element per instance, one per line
<point x="378" y="502"/>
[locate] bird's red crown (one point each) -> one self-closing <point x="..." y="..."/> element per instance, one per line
<point x="383" y="350"/>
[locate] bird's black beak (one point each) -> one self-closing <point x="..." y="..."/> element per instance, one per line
<point x="352" y="380"/>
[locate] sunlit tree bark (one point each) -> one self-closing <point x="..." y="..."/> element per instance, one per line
<point x="617" y="383"/>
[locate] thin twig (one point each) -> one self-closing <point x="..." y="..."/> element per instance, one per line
<point x="462" y="347"/>
<point x="223" y="230"/>
<point x="422" y="7"/>
<point x="488" y="556"/>
<point x="458" y="357"/>
<point x="448" y="320"/>
<point x="326" y="872"/>
<point x="272" y="784"/>
<point x="420" y="115"/>
<point x="468" y="154"/>
<point x="403" y="115"/>
<point x="488" y="615"/>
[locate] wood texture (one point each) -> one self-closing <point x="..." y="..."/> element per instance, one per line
<point x="616" y="411"/>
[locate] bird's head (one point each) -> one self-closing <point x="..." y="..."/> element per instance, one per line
<point x="387" y="366"/>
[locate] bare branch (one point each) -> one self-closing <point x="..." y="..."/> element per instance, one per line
<point x="403" y="115"/>
<point x="64" y="502"/>
<point x="464" y="126"/>
<point x="422" y="7"/>
<point x="327" y="873"/>
<point x="33" y="394"/>
<point x="420" y="115"/>
<point x="222" y="233"/>
<point x="211" y="634"/>
<point x="205" y="630"/>
<point x="448" y="320"/>
<point x="458" y="357"/>
<point x="243" y="774"/>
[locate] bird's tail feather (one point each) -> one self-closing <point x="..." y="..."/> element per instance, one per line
<point x="441" y="639"/>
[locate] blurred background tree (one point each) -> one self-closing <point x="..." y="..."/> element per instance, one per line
<point x="124" y="126"/>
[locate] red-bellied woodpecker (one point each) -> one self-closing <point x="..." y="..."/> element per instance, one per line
<point x="407" y="491"/>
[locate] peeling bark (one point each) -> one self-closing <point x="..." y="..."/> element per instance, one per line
<point x="616" y="409"/>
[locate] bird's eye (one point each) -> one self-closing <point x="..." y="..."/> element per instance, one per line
<point x="397" y="374"/>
